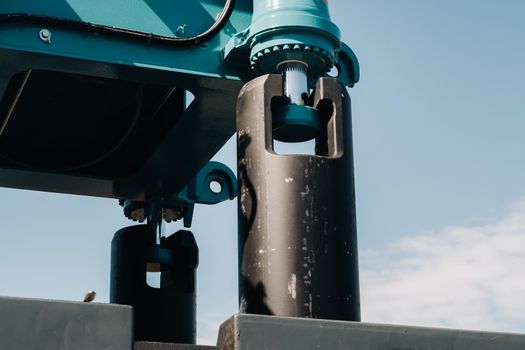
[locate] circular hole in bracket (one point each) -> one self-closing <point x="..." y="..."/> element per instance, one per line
<point x="215" y="186"/>
<point x="334" y="72"/>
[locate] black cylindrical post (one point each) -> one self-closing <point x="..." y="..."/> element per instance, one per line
<point x="297" y="229"/>
<point x="167" y="313"/>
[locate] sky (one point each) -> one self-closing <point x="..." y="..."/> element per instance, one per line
<point x="438" y="120"/>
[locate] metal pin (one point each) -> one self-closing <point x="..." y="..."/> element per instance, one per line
<point x="295" y="80"/>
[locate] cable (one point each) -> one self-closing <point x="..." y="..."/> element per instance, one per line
<point x="126" y="33"/>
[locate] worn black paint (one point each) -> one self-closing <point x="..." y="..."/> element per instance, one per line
<point x="165" y="314"/>
<point x="297" y="229"/>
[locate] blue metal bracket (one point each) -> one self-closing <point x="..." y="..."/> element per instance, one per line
<point x="347" y="65"/>
<point x="213" y="184"/>
<point x="200" y="190"/>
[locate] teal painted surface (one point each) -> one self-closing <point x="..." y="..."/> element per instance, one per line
<point x="284" y="30"/>
<point x="199" y="189"/>
<point x="275" y="24"/>
<point x="150" y="16"/>
<point x="155" y="16"/>
<point x="295" y="123"/>
<point x="312" y="14"/>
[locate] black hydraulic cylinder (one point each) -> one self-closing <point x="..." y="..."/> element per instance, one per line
<point x="167" y="313"/>
<point x="297" y="227"/>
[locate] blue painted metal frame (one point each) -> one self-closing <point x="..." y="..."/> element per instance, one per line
<point x="205" y="126"/>
<point x="149" y="16"/>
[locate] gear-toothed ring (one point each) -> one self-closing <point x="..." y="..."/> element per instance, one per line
<point x="267" y="60"/>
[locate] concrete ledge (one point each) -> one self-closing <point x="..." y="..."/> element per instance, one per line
<point x="33" y="324"/>
<point x="243" y="332"/>
<point x="170" y="346"/>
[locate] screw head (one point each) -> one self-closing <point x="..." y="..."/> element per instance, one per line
<point x="45" y="35"/>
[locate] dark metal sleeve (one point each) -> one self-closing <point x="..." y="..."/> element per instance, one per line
<point x="165" y="314"/>
<point x="297" y="228"/>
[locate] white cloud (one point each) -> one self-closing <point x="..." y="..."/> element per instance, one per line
<point x="461" y="277"/>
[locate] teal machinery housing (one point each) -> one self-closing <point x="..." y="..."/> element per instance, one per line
<point x="93" y="102"/>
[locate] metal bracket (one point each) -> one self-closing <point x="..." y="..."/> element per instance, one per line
<point x="213" y="184"/>
<point x="237" y="50"/>
<point x="347" y="66"/>
<point x="200" y="190"/>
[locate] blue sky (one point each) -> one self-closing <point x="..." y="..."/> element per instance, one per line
<point x="438" y="141"/>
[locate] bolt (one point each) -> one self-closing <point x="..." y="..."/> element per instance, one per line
<point x="45" y="35"/>
<point x="172" y="214"/>
<point x="134" y="210"/>
<point x="138" y="214"/>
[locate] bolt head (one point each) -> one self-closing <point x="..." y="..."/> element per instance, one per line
<point x="45" y="35"/>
